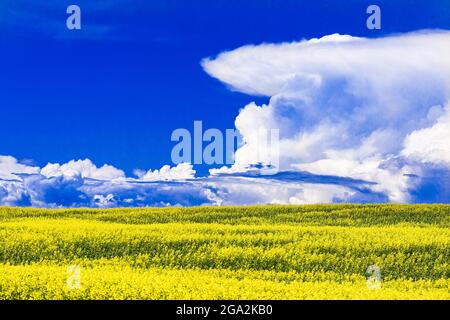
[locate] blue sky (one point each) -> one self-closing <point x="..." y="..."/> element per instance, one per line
<point x="113" y="95"/>
<point x="114" y="91"/>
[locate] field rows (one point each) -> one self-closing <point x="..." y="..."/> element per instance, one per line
<point x="270" y="252"/>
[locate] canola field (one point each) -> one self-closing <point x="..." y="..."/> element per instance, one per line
<point x="259" y="252"/>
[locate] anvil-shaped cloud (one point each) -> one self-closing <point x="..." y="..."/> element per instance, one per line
<point x="370" y="109"/>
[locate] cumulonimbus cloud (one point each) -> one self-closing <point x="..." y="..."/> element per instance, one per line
<point x="371" y="109"/>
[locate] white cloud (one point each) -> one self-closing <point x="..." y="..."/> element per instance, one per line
<point x="345" y="105"/>
<point x="391" y="180"/>
<point x="84" y="168"/>
<point x="10" y="167"/>
<point x="82" y="184"/>
<point x="182" y="171"/>
<point x="268" y="69"/>
<point x="249" y="191"/>
<point x="431" y="144"/>
<point x="104" y="201"/>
